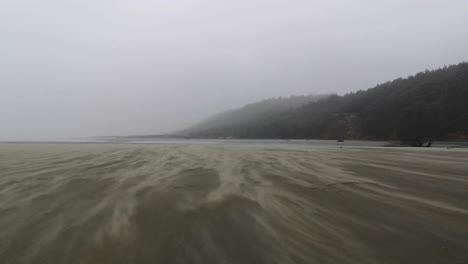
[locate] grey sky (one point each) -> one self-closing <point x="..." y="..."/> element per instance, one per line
<point x="116" y="67"/>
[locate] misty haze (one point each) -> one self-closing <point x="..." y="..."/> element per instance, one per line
<point x="233" y="131"/>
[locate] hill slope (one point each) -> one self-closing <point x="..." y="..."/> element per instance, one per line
<point x="261" y="111"/>
<point x="428" y="104"/>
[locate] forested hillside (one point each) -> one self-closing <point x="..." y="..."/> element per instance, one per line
<point x="430" y="104"/>
<point x="261" y="111"/>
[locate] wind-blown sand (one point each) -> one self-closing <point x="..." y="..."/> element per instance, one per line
<point x="231" y="204"/>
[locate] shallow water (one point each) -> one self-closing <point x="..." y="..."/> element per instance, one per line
<point x="218" y="203"/>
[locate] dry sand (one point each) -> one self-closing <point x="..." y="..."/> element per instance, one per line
<point x="231" y="204"/>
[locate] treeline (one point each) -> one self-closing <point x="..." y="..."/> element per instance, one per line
<point x="431" y="104"/>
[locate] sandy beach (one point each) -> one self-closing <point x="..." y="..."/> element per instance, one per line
<point x="182" y="203"/>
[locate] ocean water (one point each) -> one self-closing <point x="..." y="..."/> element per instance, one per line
<point x="232" y="203"/>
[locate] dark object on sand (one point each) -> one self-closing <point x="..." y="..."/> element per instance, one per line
<point x="340" y="139"/>
<point x="428" y="143"/>
<point x="420" y="142"/>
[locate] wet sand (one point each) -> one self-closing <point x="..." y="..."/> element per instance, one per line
<point x="181" y="203"/>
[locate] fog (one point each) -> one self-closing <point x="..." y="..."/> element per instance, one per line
<point x="114" y="67"/>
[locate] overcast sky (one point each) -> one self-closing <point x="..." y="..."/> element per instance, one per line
<point x="118" y="67"/>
